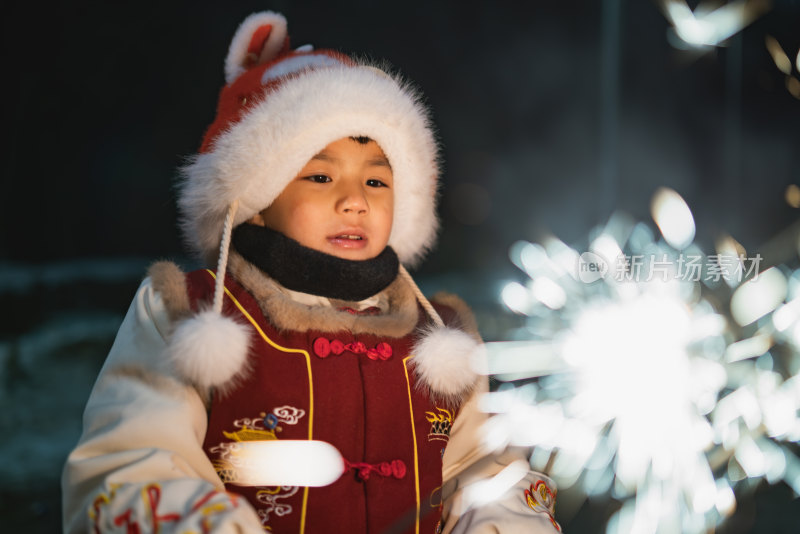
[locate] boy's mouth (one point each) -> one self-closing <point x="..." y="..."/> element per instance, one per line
<point x="351" y="239"/>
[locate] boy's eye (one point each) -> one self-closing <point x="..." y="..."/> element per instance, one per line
<point x="374" y="182"/>
<point x="318" y="178"/>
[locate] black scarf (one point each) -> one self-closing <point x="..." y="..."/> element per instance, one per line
<point x="304" y="269"/>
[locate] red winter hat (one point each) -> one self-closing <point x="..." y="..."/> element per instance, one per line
<point x="278" y="109"/>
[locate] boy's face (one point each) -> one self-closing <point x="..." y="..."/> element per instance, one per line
<point x="341" y="203"/>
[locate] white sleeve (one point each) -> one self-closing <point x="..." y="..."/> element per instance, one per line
<point x="139" y="463"/>
<point x="528" y="506"/>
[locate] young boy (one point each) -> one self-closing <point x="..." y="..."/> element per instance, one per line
<point x="314" y="185"/>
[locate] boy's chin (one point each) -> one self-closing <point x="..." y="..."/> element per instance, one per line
<point x="354" y="255"/>
<point x="351" y="251"/>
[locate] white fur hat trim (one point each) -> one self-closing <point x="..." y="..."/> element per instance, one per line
<point x="256" y="157"/>
<point x="443" y="360"/>
<point x="209" y="349"/>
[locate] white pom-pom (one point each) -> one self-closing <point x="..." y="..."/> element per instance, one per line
<point x="443" y="360"/>
<point x="208" y="349"/>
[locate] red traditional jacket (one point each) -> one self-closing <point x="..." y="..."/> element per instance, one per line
<point x="152" y="455"/>
<point x="355" y="391"/>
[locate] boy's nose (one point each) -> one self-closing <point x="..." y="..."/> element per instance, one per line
<point x="353" y="200"/>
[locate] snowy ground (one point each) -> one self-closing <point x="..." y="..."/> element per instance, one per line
<point x="59" y="321"/>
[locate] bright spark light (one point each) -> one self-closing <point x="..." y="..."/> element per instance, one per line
<point x="490" y="489"/>
<point x="647" y="378"/>
<point x="784" y="64"/>
<point x="793" y="86"/>
<point x="756" y="298"/>
<point x="673" y="217"/>
<point x="792" y="190"/>
<point x="707" y="26"/>
<point x="780" y="58"/>
<point x="284" y="463"/>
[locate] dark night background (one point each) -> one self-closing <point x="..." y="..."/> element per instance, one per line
<point x="550" y="117"/>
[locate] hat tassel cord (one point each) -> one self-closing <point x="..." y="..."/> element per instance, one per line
<point x="222" y="262"/>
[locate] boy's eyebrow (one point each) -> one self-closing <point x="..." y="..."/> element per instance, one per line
<point x="324" y="157"/>
<point x="378" y="161"/>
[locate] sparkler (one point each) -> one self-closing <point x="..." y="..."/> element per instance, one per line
<point x="650" y="371"/>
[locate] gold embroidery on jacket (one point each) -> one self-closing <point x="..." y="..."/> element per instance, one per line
<point x="441" y="423"/>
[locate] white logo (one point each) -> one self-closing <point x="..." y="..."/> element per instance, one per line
<point x="591" y="267"/>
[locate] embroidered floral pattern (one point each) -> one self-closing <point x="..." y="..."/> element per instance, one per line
<point x="265" y="426"/>
<point x="269" y="498"/>
<point x="228" y="462"/>
<point x="441" y="421"/>
<point x="324" y="347"/>
<point x="117" y="511"/>
<point x="289" y="414"/>
<point x="251" y="430"/>
<point x="541" y="499"/>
